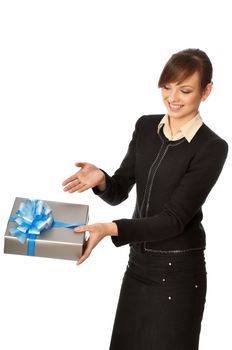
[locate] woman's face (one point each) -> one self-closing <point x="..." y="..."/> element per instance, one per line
<point x="182" y="100"/>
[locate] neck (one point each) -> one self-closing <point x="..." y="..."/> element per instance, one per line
<point x="176" y="123"/>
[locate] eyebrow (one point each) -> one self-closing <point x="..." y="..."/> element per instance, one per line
<point x="185" y="86"/>
<point x="179" y="84"/>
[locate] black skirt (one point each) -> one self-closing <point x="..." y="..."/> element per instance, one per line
<point x="161" y="302"/>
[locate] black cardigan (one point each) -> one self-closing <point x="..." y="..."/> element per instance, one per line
<point x="173" y="179"/>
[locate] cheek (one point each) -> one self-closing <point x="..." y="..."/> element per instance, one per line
<point x="195" y="101"/>
<point x="192" y="101"/>
<point x="164" y="95"/>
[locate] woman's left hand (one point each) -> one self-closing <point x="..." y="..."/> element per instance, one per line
<point x="97" y="233"/>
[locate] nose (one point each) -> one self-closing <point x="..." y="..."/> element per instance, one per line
<point x="173" y="96"/>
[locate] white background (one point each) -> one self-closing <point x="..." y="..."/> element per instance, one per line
<point x="75" y="77"/>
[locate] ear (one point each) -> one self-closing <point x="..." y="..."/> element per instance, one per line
<point x="207" y="91"/>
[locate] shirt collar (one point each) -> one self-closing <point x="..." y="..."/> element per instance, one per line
<point x="188" y="130"/>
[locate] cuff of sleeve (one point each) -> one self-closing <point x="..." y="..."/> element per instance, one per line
<point x="121" y="239"/>
<point x="102" y="193"/>
<point x="115" y="241"/>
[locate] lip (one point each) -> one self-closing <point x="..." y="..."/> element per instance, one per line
<point x="174" y="107"/>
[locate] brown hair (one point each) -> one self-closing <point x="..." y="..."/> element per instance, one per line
<point x="183" y="64"/>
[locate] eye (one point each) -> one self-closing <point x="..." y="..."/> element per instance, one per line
<point x="165" y="87"/>
<point x="186" y="91"/>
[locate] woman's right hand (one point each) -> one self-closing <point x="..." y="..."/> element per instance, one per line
<point x="87" y="177"/>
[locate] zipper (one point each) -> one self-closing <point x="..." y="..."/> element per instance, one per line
<point x="150" y="178"/>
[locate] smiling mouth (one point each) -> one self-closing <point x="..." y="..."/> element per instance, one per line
<point x="175" y="107"/>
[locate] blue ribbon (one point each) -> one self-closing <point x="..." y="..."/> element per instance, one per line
<point x="34" y="217"/>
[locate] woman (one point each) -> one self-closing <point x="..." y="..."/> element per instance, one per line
<point x="174" y="160"/>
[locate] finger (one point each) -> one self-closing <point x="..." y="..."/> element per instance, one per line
<point x="69" y="179"/>
<point x="73" y="189"/>
<point x="83" y="228"/>
<point x="84" y="188"/>
<point x="84" y="256"/>
<point x="78" y="188"/>
<point x="73" y="186"/>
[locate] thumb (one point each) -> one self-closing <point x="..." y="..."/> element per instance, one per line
<point x="83" y="228"/>
<point x="80" y="164"/>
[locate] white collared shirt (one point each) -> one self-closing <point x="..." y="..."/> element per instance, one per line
<point x="187" y="130"/>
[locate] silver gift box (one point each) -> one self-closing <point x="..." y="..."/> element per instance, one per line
<point x="58" y="243"/>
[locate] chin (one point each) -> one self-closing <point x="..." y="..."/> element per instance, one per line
<point x="175" y="114"/>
